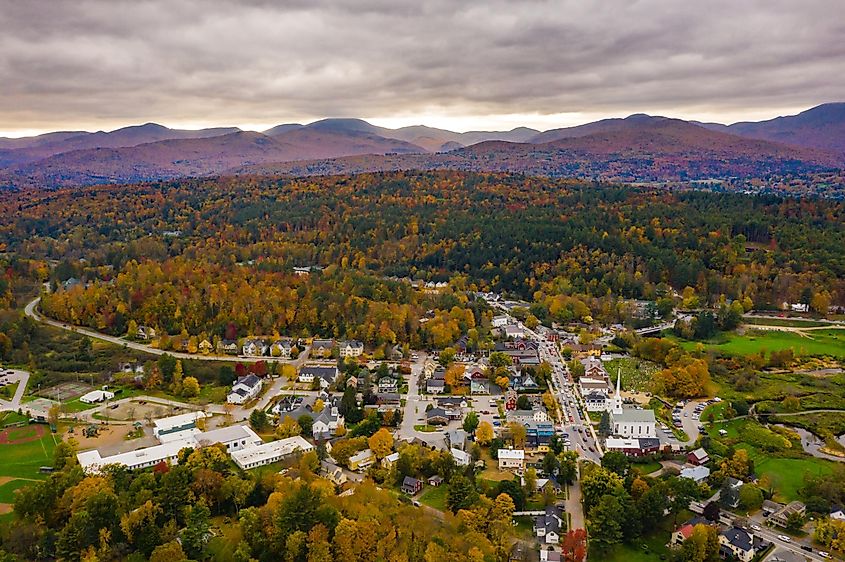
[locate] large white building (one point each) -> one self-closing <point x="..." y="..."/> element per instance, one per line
<point x="268" y="453"/>
<point x="96" y="396"/>
<point x="235" y="438"/>
<point x="630" y="422"/>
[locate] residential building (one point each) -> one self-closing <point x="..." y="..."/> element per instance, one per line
<point x="326" y="375"/>
<point x="435" y="386"/>
<point x="462" y="458"/>
<point x="538" y="435"/>
<point x="781" y="516"/>
<point x="205" y="347"/>
<point x="695" y="473"/>
<point x="390" y="460"/>
<point x="268" y="453"/>
<point x="513" y="331"/>
<point x="361" y="459"/>
<point x="595" y="401"/>
<point x="229" y="347"/>
<point x="146" y="333"/>
<point x="326" y="423"/>
<point x="351" y="348"/>
<point x="333" y="473"/>
<point x="525" y="416"/>
<point x="321" y="348"/>
<point x="511" y="459"/>
<point x="737" y="543"/>
<point x="548" y="526"/>
<point x="254" y="348"/>
<point x="698" y="457"/>
<point x="837" y="512"/>
<point x="411" y="486"/>
<point x="435" y="480"/>
<point x="388" y="384"/>
<point x="245" y="389"/>
<point x="500" y="321"/>
<point x="281" y="348"/>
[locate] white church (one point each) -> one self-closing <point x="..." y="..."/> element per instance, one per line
<point x="630" y="422"/>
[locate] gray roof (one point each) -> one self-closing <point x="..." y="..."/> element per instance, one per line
<point x="631" y="415"/>
<point x="249" y="380"/>
<point x="224" y="434"/>
<point x="738" y="538"/>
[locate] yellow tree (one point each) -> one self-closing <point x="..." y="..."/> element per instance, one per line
<point x="381" y="443"/>
<point x="484" y="433"/>
<point x="288" y="428"/>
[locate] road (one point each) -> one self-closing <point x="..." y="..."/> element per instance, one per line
<point x="415" y="405"/>
<point x="31" y="311"/>
<point x="22" y="378"/>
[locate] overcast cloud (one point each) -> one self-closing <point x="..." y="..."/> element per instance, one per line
<point x="461" y="64"/>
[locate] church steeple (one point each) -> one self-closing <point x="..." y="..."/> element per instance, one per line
<point x="616" y="407"/>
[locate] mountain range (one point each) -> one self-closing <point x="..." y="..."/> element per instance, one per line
<point x="636" y="148"/>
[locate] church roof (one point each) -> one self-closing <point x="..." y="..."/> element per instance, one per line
<point x="632" y="415"/>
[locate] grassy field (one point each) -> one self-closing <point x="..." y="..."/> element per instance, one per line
<point x="22" y="460"/>
<point x="435" y="496"/>
<point x="785" y="473"/>
<point x="819" y="342"/>
<point x="787" y="322"/>
<point x="7" y="490"/>
<point x="646" y="468"/>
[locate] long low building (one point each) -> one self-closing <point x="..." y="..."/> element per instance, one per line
<point x="268" y="453"/>
<point x="234" y="438"/>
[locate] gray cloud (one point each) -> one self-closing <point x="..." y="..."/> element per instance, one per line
<point x="112" y="62"/>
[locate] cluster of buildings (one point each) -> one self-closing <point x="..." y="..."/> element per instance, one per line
<point x="326" y="421"/>
<point x="735" y="543"/>
<point x="175" y="433"/>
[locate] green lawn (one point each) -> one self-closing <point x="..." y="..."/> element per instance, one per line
<point x="788" y="322"/>
<point x="435" y="496"/>
<point x="819" y="342"/>
<point x="7" y="490"/>
<point x="22" y="460"/>
<point x="425" y="428"/>
<point x="7" y="418"/>
<point x="646" y="468"/>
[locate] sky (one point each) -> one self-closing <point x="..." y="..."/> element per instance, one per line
<point x="460" y="65"/>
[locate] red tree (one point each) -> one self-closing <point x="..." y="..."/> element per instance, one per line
<point x="574" y="547"/>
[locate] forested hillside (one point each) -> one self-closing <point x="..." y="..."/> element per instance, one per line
<point x="198" y="255"/>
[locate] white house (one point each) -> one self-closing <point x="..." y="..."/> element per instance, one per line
<point x="281" y="348"/>
<point x="268" y="453"/>
<point x="500" y="321"/>
<point x="325" y="374"/>
<point x="548" y="526"/>
<point x="326" y="423"/>
<point x="513" y="331"/>
<point x="511" y="459"/>
<point x="245" y="389"/>
<point x="462" y="458"/>
<point x="350" y="348"/>
<point x="596" y="401"/>
<point x="254" y="348"/>
<point x="96" y="396"/>
<point x="526" y="416"/>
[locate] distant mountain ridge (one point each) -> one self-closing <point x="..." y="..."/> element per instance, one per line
<point x="634" y="148"/>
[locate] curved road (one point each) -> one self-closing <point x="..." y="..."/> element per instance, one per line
<point x="30" y="310"/>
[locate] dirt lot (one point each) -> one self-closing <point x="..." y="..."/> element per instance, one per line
<point x="112" y="439"/>
<point x="134" y="410"/>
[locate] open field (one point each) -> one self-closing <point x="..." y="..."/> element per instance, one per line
<point x="23" y="459"/>
<point x="786" y="471"/>
<point x="435" y="496"/>
<point x="785" y="322"/>
<point x="814" y="342"/>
